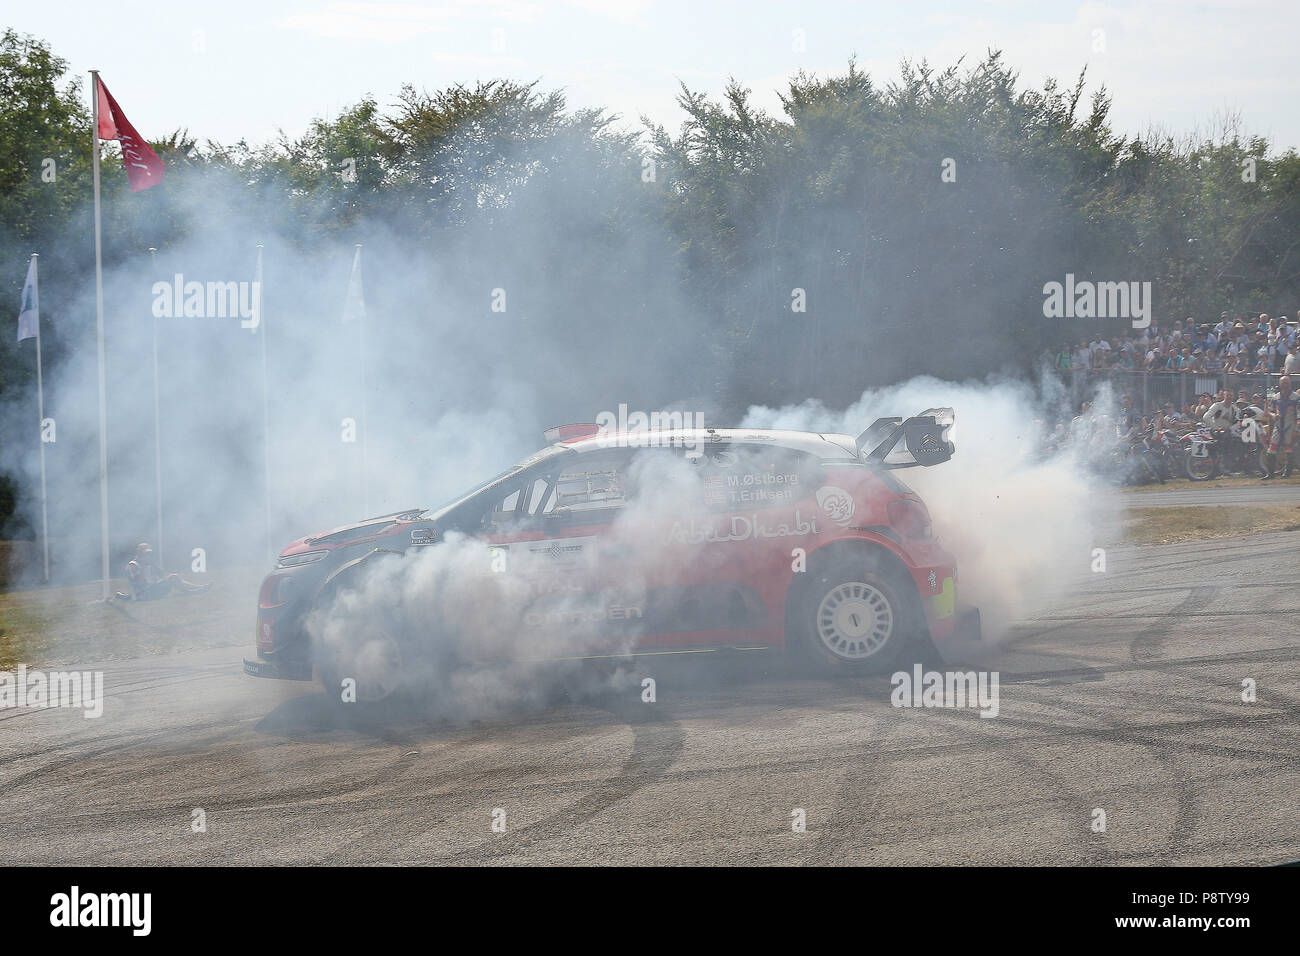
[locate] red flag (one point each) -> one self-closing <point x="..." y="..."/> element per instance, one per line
<point x="143" y="167"/>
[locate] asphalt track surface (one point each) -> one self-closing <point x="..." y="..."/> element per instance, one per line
<point x="1260" y="493"/>
<point x="1124" y="697"/>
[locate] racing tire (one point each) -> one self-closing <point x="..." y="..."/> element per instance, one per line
<point x="852" y="616"/>
<point x="374" y="658"/>
<point x="1200" y="469"/>
<point x="374" y="668"/>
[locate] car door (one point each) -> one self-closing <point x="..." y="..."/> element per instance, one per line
<point x="734" y="546"/>
<point x="549" y="534"/>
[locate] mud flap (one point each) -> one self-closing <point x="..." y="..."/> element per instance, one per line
<point x="968" y="625"/>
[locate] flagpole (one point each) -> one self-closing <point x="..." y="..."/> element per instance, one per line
<point x="266" y="419"/>
<point x="40" y="409"/>
<point x="157" y="427"/>
<point x="99" y="335"/>
<point x="365" y="430"/>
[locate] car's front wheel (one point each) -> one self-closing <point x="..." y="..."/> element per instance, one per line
<point x="852" y="617"/>
<point x="365" y="671"/>
<point x="361" y="650"/>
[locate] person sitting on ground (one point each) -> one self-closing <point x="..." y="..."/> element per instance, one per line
<point x="148" y="581"/>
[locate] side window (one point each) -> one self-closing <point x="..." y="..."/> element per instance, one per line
<point x="506" y="510"/>
<point x="594" y="483"/>
<point x="584" y="489"/>
<point x="540" y="497"/>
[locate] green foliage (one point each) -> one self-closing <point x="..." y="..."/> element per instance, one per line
<point x="44" y="186"/>
<point x="842" y="196"/>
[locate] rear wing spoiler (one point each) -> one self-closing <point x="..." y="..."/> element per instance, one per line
<point x="925" y="440"/>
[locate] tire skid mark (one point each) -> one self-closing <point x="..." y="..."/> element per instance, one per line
<point x="868" y="780"/>
<point x="1146" y="645"/>
<point x="1156" y="590"/>
<point x="1179" y="786"/>
<point x="1182" y="787"/>
<point x="290" y="795"/>
<point x="1066" y="620"/>
<point x="860" y="786"/>
<point x="657" y="745"/>
<point x="1272" y="731"/>
<point x="1062" y="796"/>
<point x="123" y="741"/>
<point x="1158" y="732"/>
<point x="420" y="818"/>
<point x="1176" y="668"/>
<point x="1093" y="667"/>
<point x="150" y="684"/>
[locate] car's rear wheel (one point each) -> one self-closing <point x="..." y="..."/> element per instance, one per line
<point x="855" y="617"/>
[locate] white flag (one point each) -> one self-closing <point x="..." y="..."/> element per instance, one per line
<point x="355" y="307"/>
<point x="29" y="316"/>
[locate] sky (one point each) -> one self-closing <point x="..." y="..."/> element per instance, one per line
<point x="250" y="68"/>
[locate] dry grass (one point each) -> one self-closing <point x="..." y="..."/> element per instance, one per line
<point x="71" y="625"/>
<point x="1236" y="481"/>
<point x="1179" y="524"/>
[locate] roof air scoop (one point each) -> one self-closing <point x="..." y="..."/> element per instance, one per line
<point x="562" y="433"/>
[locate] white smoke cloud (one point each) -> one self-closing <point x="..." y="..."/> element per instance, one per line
<point x="1022" y="522"/>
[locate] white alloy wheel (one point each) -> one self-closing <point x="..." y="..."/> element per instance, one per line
<point x="377" y="668"/>
<point x="854" y="621"/>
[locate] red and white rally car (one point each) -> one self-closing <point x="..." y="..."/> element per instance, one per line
<point x="669" y="540"/>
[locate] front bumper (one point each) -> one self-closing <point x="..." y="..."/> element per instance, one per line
<point x="278" y="670"/>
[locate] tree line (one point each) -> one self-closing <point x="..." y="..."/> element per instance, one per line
<point x="870" y="232"/>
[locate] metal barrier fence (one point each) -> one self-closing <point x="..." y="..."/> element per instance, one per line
<point x="1150" y="389"/>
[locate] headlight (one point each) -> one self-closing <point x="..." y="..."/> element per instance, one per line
<point x="306" y="557"/>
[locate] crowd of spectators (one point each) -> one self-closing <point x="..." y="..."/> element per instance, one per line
<point x="1232" y="346"/>
<point x="1257" y="420"/>
<point x="1220" y="410"/>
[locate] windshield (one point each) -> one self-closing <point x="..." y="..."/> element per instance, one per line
<point x="549" y="452"/>
<point x="466" y="495"/>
